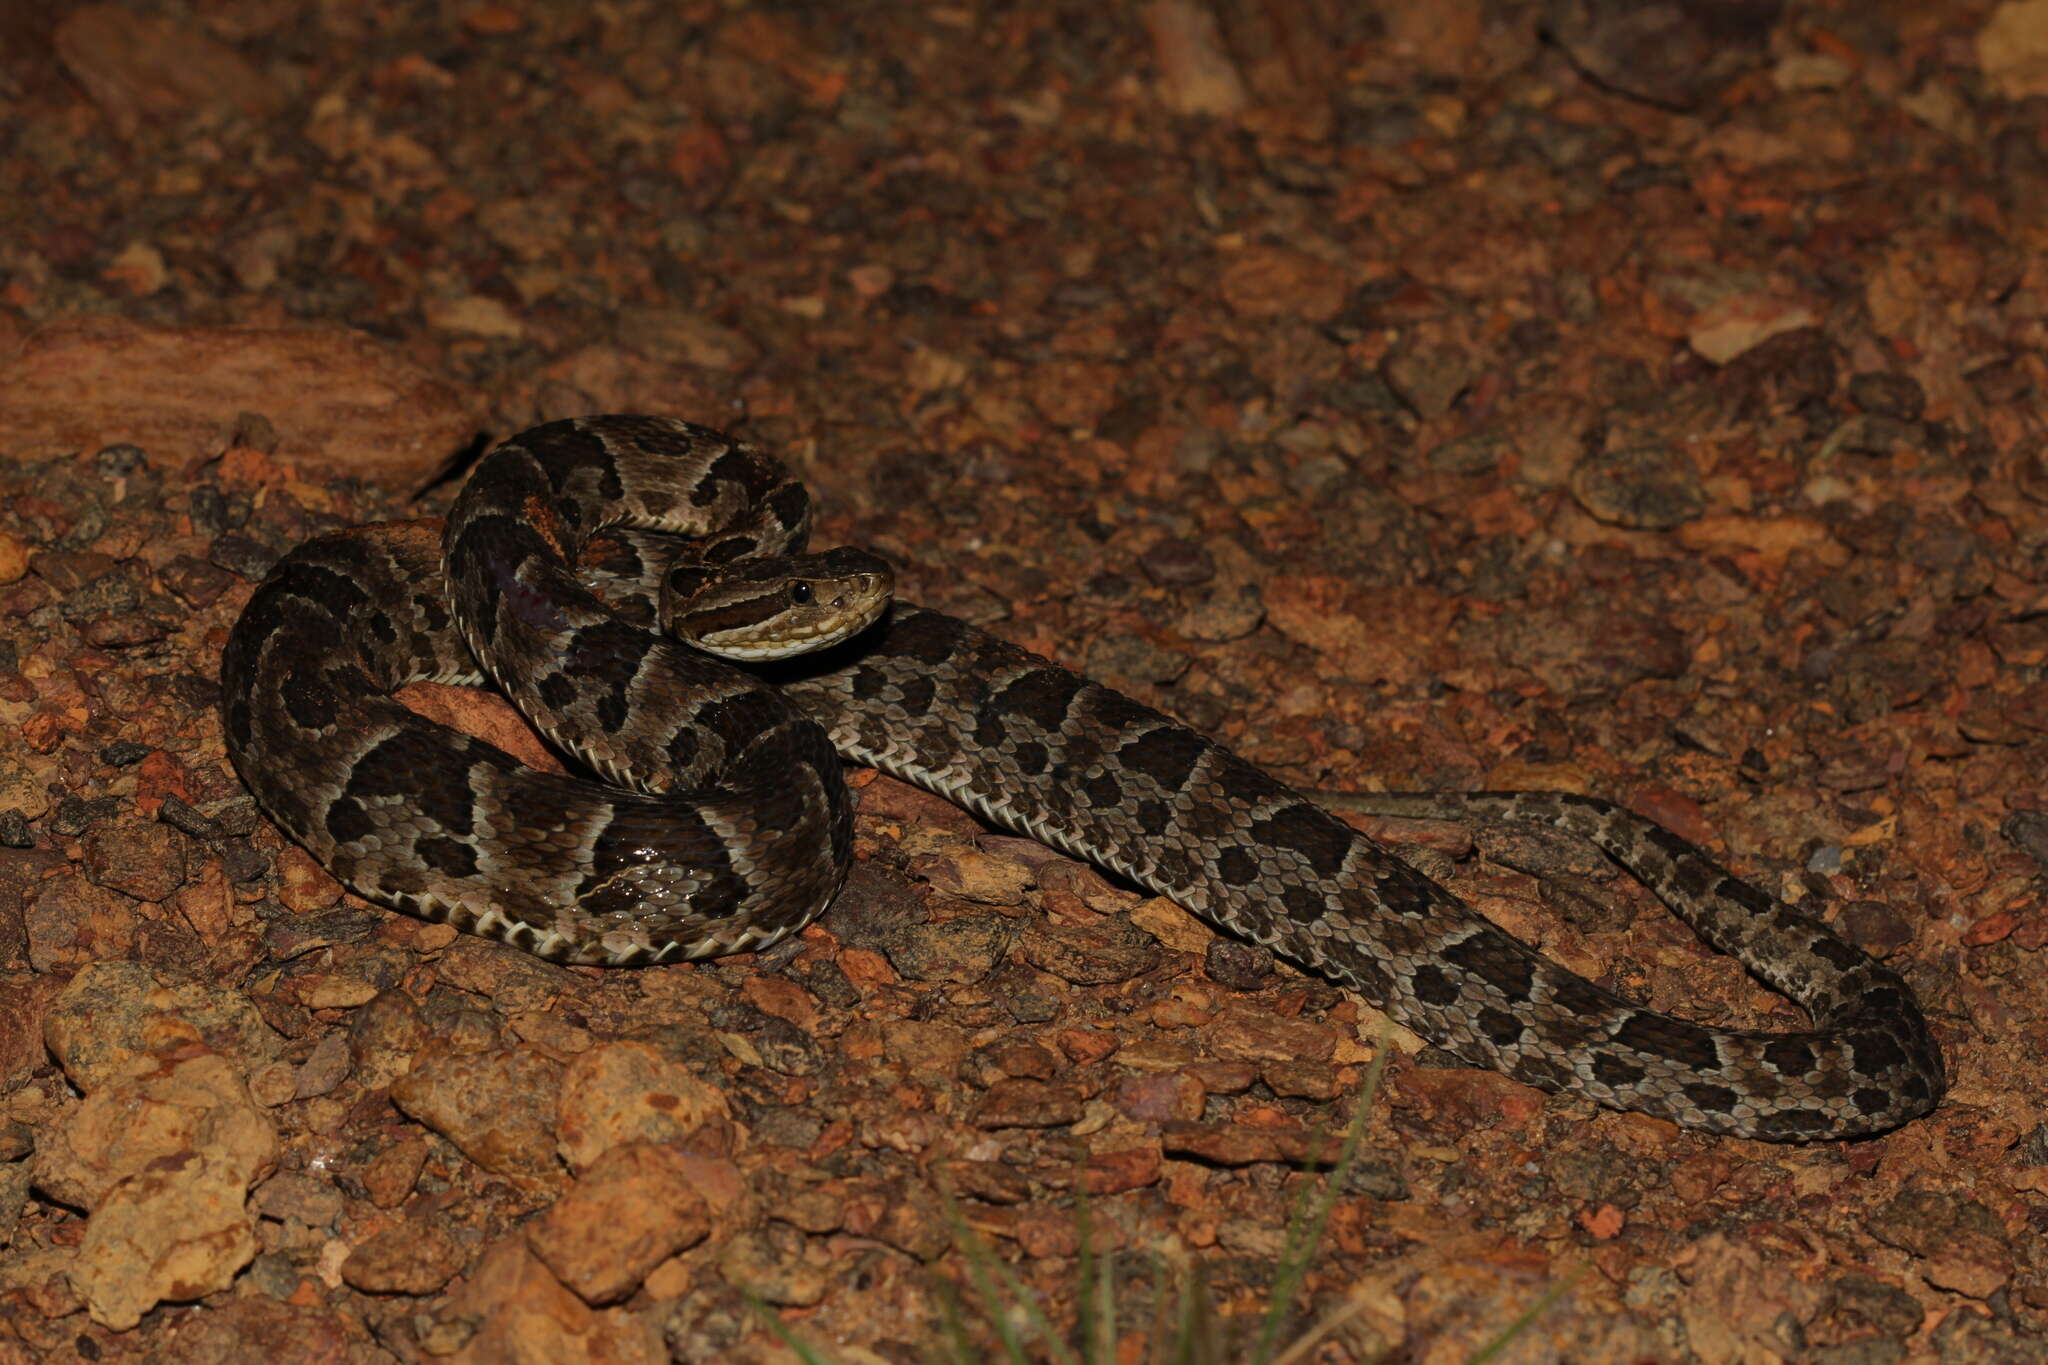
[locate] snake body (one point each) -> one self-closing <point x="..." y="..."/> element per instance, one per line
<point x="740" y="833"/>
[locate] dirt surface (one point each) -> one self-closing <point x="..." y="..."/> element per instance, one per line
<point x="1640" y="399"/>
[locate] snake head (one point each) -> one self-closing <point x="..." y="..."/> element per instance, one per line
<point x="773" y="608"/>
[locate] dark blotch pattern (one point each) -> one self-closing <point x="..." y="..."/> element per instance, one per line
<point x="1672" y="1039"/>
<point x="1042" y="698"/>
<point x="1167" y="755"/>
<point x="1835" y="953"/>
<point x="1540" y="1072"/>
<point x="1103" y="792"/>
<point x="1741" y="893"/>
<point x="1499" y="1027"/>
<point x="1320" y="839"/>
<point x="556" y="691"/>
<point x="1617" y="1072"/>
<point x="1434" y="986"/>
<point x="448" y="856"/>
<point x="1305" y="904"/>
<point x="1714" y="1099"/>
<point x="1790" y="1056"/>
<point x="1877" y="1053"/>
<point x="1497" y="960"/>
<point x="1237" y="867"/>
<point x="1404" y="890"/>
<point x="916" y="698"/>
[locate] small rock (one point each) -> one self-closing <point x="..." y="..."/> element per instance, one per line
<point x="1875" y="927"/>
<point x="194" y="581"/>
<point x="1647" y="487"/>
<point x="76" y="814"/>
<point x="751" y="1259"/>
<point x="1279" y="282"/>
<point x="965" y="948"/>
<point x="324" y="1069"/>
<point x="1167" y="1097"/>
<point x="145" y="860"/>
<point x="1027" y="996"/>
<point x="303" y="886"/>
<point x="179" y="815"/>
<point x="14" y="1183"/>
<point x="630" y="1092"/>
<point x="1231" y="612"/>
<point x="24" y="999"/>
<point x="343" y="400"/>
<point x="1302" y="1080"/>
<point x="305" y="1198"/>
<point x="124" y="753"/>
<point x="240" y="555"/>
<point x="512" y="1309"/>
<point x="389" y="1178"/>
<point x="14" y="558"/>
<point x="1196" y="73"/>
<point x="974" y="875"/>
<point x="1428" y="378"/>
<point x="1132" y="663"/>
<point x="113" y="1016"/>
<point x="1179" y="563"/>
<point x="1476" y="452"/>
<point x="1238" y="965"/>
<point x="2027" y="830"/>
<point x="1019" y="1103"/>
<point x="1958" y="1243"/>
<point x="71" y="923"/>
<point x="164" y="1162"/>
<point x="123" y="630"/>
<point x="141" y="68"/>
<point x="1231" y="1144"/>
<point x="497" y="1107"/>
<point x="1243" y="1032"/>
<point x="628" y="1211"/>
<point x="1089" y="955"/>
<point x="70" y="571"/>
<point x="384" y="1036"/>
<point x="1457" y="1099"/>
<point x="417" y="1256"/>
<point x="1886" y="394"/>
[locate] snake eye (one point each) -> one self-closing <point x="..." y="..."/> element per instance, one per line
<point x="799" y="593"/>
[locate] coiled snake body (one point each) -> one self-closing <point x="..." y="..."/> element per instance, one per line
<point x="739" y="830"/>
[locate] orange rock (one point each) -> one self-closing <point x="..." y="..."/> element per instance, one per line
<point x="339" y="399"/>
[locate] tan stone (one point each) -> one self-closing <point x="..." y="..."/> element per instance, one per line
<point x="338" y="399"/>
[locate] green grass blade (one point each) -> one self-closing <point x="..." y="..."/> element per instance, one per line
<point x="1305" y="1229"/>
<point x="1084" y="1267"/>
<point x="1298" y="1349"/>
<point x="1187" y="1298"/>
<point x="1162" y="1308"/>
<point x="809" y="1354"/>
<point x="955" y="1327"/>
<point x="1095" y="1297"/>
<point x="986" y="1269"/>
<point x="1529" y="1315"/>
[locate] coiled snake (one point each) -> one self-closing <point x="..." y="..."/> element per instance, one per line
<point x="723" y="824"/>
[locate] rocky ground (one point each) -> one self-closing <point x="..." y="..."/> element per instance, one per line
<point x="1641" y="399"/>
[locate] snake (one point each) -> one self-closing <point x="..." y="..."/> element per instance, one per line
<point x="711" y="814"/>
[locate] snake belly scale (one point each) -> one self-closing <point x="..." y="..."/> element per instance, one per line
<point x="732" y="828"/>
